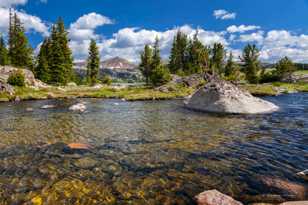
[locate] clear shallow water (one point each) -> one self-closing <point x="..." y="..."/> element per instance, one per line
<point x="146" y="152"/>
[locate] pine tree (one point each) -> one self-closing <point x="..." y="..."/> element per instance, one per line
<point x="93" y="63"/>
<point x="20" y="52"/>
<point x="4" y="60"/>
<point x="217" y="58"/>
<point x="178" y="57"/>
<point x="159" y="73"/>
<point x="146" y="62"/>
<point x="64" y="42"/>
<point x="60" y="56"/>
<point x="156" y="60"/>
<point x="230" y="66"/>
<point x="42" y="71"/>
<point x="284" y="68"/>
<point x="198" y="56"/>
<point x="251" y="63"/>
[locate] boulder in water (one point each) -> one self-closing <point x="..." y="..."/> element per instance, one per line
<point x="214" y="197"/>
<point x="219" y="96"/>
<point x="81" y="107"/>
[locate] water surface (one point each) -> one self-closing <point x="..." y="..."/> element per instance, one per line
<point x="146" y="152"/>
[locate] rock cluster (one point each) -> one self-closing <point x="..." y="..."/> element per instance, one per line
<point x="6" y="88"/>
<point x="219" y="96"/>
<point x="6" y="71"/>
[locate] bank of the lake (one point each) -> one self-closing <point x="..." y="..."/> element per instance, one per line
<point x="140" y="92"/>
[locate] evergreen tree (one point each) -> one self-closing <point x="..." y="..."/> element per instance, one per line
<point x="198" y="56"/>
<point x="64" y="42"/>
<point x="178" y="57"/>
<point x="93" y="63"/>
<point x="284" y="68"/>
<point x="156" y="60"/>
<point x="4" y="60"/>
<point x="20" y="52"/>
<point x="60" y="56"/>
<point x="42" y="71"/>
<point x="217" y="58"/>
<point x="146" y="62"/>
<point x="159" y="73"/>
<point x="251" y="63"/>
<point x="230" y="66"/>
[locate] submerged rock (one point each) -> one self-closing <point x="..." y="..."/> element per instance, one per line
<point x="80" y="107"/>
<point x="48" y="106"/>
<point x="214" y="197"/>
<point x="219" y="96"/>
<point x="85" y="163"/>
<point x="303" y="174"/>
<point x="288" y="189"/>
<point x="79" y="146"/>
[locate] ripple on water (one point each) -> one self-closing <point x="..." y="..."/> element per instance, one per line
<point x="147" y="152"/>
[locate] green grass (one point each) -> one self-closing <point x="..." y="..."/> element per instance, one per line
<point x="275" y="88"/>
<point x="130" y="94"/>
<point x="301" y="72"/>
<point x="142" y="92"/>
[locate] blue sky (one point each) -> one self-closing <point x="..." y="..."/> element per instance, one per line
<point x="122" y="27"/>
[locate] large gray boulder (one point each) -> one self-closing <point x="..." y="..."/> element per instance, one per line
<point x="219" y="96"/>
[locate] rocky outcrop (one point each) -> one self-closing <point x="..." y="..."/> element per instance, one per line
<point x="6" y="71"/>
<point x="214" y="197"/>
<point x="6" y="88"/>
<point x="219" y="96"/>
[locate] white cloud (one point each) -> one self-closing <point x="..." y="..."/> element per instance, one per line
<point x="129" y="42"/>
<point x="84" y="27"/>
<point x="30" y="22"/>
<point x="224" y="15"/>
<point x="280" y="43"/>
<point x="242" y="28"/>
<point x="9" y="3"/>
<point x="256" y="37"/>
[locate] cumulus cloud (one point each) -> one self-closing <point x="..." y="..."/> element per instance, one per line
<point x="129" y="42"/>
<point x="30" y="22"/>
<point x="242" y="28"/>
<point x="280" y="43"/>
<point x="84" y="27"/>
<point x="256" y="37"/>
<point x="9" y="3"/>
<point x="224" y="15"/>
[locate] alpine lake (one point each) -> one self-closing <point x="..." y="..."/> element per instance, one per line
<point x="147" y="152"/>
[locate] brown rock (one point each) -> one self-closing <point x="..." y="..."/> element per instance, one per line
<point x="214" y="197"/>
<point x="79" y="146"/>
<point x="295" y="203"/>
<point x="295" y="190"/>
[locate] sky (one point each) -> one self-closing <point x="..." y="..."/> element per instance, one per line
<point x="122" y="27"/>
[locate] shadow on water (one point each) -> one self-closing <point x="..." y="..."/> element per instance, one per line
<point x="150" y="153"/>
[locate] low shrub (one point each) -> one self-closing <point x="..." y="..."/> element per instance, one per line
<point x="17" y="78"/>
<point x="107" y="80"/>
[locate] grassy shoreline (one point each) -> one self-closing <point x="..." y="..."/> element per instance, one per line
<point x="140" y="93"/>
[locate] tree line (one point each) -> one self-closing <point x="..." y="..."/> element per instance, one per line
<point x="54" y="62"/>
<point x="189" y="56"/>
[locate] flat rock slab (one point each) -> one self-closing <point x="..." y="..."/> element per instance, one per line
<point x="214" y="197"/>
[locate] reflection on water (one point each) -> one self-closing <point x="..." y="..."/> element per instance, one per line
<point x="146" y="152"/>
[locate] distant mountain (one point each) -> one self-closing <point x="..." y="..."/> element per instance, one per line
<point x="116" y="63"/>
<point x="117" y="68"/>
